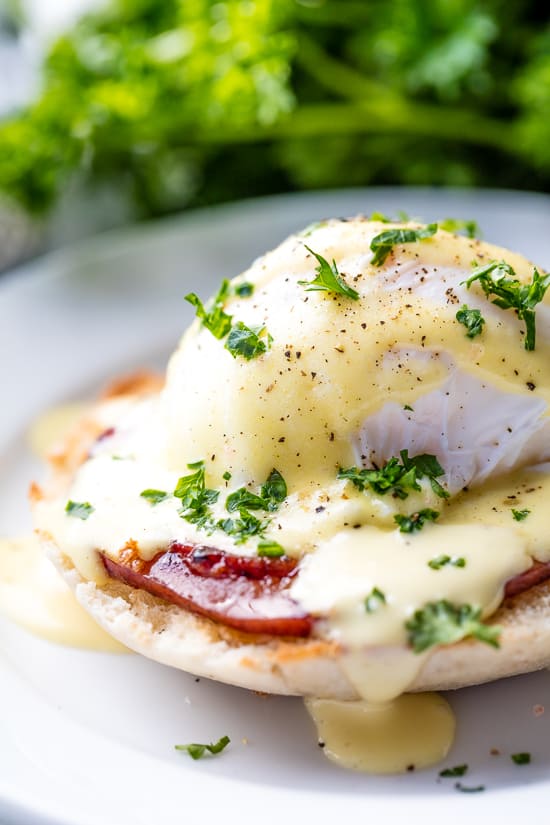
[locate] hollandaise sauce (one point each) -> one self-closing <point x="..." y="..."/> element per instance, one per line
<point x="411" y="732"/>
<point x="33" y="595"/>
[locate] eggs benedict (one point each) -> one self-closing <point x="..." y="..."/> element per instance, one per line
<point x="340" y="490"/>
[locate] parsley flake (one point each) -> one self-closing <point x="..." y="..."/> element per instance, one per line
<point x="248" y="342"/>
<point x="244" y="289"/>
<point x="416" y="521"/>
<point x="214" y="319"/>
<point x="458" y="770"/>
<point x="154" y="496"/>
<point x="195" y="497"/>
<point x="197" y="751"/>
<point x="243" y="527"/>
<point x="408" y="408"/>
<point x="442" y="561"/>
<point x="442" y="623"/>
<point x="398" y="478"/>
<point x="383" y="244"/>
<point x="79" y="509"/>
<point x="520" y="515"/>
<point x="455" y="225"/>
<point x="512" y="294"/>
<point x="271" y="549"/>
<point x="472" y="319"/>
<point x="523" y="758"/>
<point x="274" y="490"/>
<point x="328" y="279"/>
<point x="374" y="600"/>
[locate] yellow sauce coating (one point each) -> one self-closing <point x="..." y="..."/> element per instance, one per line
<point x="412" y="732"/>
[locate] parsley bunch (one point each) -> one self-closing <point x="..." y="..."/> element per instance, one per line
<point x="181" y="103"/>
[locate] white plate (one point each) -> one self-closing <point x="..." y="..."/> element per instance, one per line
<point x="87" y="738"/>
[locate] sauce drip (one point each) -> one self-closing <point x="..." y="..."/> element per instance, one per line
<point x="414" y="731"/>
<point x="34" y="596"/>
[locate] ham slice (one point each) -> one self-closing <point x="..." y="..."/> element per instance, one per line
<point x="246" y="593"/>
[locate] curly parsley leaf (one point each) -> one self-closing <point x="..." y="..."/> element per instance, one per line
<point x="374" y="600"/>
<point x="512" y="294"/>
<point x="383" y="243"/>
<point x="416" y="521"/>
<point x="274" y="490"/>
<point x="270" y="549"/>
<point x="248" y="342"/>
<point x="79" y="509"/>
<point x="426" y="465"/>
<point x="443" y="561"/>
<point x="214" y="319"/>
<point x="154" y="496"/>
<point x="328" y="279"/>
<point x="195" y="497"/>
<point x="472" y="319"/>
<point x="243" y="527"/>
<point x="272" y="493"/>
<point x="523" y="758"/>
<point x="197" y="750"/>
<point x="455" y="225"/>
<point x="244" y="289"/>
<point x="442" y="623"/>
<point x="457" y="770"/>
<point x="391" y="478"/>
<point x="398" y="478"/>
<point x="520" y="515"/>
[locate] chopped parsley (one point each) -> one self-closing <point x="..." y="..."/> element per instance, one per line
<point x="458" y="770"/>
<point x="271" y="549"/>
<point x="523" y="758"/>
<point x="328" y="279"/>
<point x="374" y="600"/>
<point x="243" y="527"/>
<point x="79" y="509"/>
<point x="197" y="751"/>
<point x="382" y="244"/>
<point x="520" y="515"/>
<point x="248" y="342"/>
<point x="274" y="490"/>
<point x="512" y="294"/>
<point x="272" y="493"/>
<point x="226" y="476"/>
<point x="244" y="289"/>
<point x="396" y="477"/>
<point x="416" y="521"/>
<point x="408" y="407"/>
<point x="214" y="318"/>
<point x="469" y="788"/>
<point x="470" y="228"/>
<point x="442" y="561"/>
<point x="472" y="319"/>
<point x="442" y="623"/>
<point x="243" y="499"/>
<point x="195" y="497"/>
<point x="154" y="496"/>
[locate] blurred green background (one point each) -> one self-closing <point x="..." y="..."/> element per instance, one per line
<point x="179" y="103"/>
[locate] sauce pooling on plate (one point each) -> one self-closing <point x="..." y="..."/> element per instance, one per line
<point x="414" y="731"/>
<point x="33" y="594"/>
